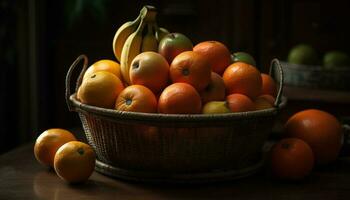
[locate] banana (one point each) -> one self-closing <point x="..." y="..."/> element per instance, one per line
<point x="160" y="33"/>
<point x="149" y="41"/>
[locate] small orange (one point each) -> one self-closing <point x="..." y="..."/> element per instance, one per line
<point x="239" y="103"/>
<point x="215" y="91"/>
<point x="179" y="98"/>
<point x="136" y="98"/>
<point x="192" y="68"/>
<point x="291" y="159"/>
<point x="104" y="65"/>
<point x="264" y="102"/>
<point x="48" y="142"/>
<point x="268" y="85"/>
<point x="217" y="54"/>
<point x="100" y="89"/>
<point x="321" y="130"/>
<point x="75" y="161"/>
<point x="244" y="79"/>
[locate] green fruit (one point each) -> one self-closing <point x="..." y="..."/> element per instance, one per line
<point x="243" y="57"/>
<point x="303" y="54"/>
<point x="214" y="107"/>
<point x="335" y="59"/>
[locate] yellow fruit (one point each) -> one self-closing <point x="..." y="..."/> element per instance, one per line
<point x="104" y="65"/>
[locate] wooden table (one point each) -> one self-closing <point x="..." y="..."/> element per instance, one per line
<point x="21" y="177"/>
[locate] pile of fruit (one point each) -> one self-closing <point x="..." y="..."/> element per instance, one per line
<point x="162" y="72"/>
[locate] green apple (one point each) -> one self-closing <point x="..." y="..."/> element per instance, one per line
<point x="335" y="59"/>
<point x="243" y="57"/>
<point x="215" y="107"/>
<point x="173" y="44"/>
<point x="303" y="54"/>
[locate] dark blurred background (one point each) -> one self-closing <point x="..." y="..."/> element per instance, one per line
<point x="40" y="39"/>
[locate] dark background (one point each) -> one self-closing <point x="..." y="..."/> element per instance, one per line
<point x="40" y="39"/>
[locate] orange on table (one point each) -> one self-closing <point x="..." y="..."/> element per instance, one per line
<point x="291" y="159"/>
<point x="192" y="68"/>
<point x="244" y="79"/>
<point x="136" y="98"/>
<point x="75" y="161"/>
<point x="151" y="70"/>
<point x="321" y="130"/>
<point x="264" y="102"/>
<point x="179" y="98"/>
<point x="100" y="89"/>
<point x="104" y="65"/>
<point x="239" y="103"/>
<point x="48" y="143"/>
<point x="215" y="91"/>
<point x="268" y="85"/>
<point x="217" y="54"/>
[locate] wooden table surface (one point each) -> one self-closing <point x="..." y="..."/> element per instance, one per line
<point x="21" y="177"/>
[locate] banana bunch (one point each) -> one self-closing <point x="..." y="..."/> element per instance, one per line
<point x="135" y="37"/>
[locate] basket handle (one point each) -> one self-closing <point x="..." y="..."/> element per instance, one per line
<point x="69" y="75"/>
<point x="277" y="68"/>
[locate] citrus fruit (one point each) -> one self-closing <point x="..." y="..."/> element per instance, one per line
<point x="215" y="107"/>
<point x="136" y="98"/>
<point x="333" y="59"/>
<point x="303" y="54"/>
<point x="321" y="130"/>
<point x="192" y="68"/>
<point x="48" y="142"/>
<point x="243" y="78"/>
<point x="239" y="103"/>
<point x="217" y="54"/>
<point x="243" y="57"/>
<point x="291" y="159"/>
<point x="264" y="102"/>
<point x="104" y="65"/>
<point x="74" y="162"/>
<point x="268" y="85"/>
<point x="179" y="98"/>
<point x="215" y="91"/>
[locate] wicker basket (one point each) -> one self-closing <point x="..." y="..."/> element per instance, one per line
<point x="175" y="148"/>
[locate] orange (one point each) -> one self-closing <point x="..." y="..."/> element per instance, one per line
<point x="321" y="130"/>
<point x="244" y="79"/>
<point x="268" y="85"/>
<point x="179" y="98"/>
<point x="136" y="98"/>
<point x="264" y="102"/>
<point x="215" y="91"/>
<point x="75" y="162"/>
<point x="217" y="54"/>
<point x="151" y="70"/>
<point x="239" y="103"/>
<point x="48" y="142"/>
<point x="104" y="65"/>
<point x="291" y="159"/>
<point x="192" y="68"/>
<point x="100" y="89"/>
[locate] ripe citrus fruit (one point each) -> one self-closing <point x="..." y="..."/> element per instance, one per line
<point x="215" y="107"/>
<point x="239" y="103"/>
<point x="215" y="91"/>
<point x="321" y="130"/>
<point x="242" y="78"/>
<point x="48" y="142"/>
<point x="268" y="85"/>
<point x="74" y="161"/>
<point x="264" y="102"/>
<point x="100" y="89"/>
<point x="243" y="57"/>
<point x="217" y="54"/>
<point x="151" y="70"/>
<point x="291" y="159"/>
<point x="104" y="65"/>
<point x="179" y="98"/>
<point x="192" y="68"/>
<point x="136" y="98"/>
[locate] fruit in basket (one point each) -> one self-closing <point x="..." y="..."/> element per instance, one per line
<point x="215" y="91"/>
<point x="149" y="41"/>
<point x="151" y="70"/>
<point x="173" y="44"/>
<point x="100" y="89"/>
<point x="75" y="161"/>
<point x="243" y="78"/>
<point x="303" y="54"/>
<point x="321" y="130"/>
<point x="243" y="57"/>
<point x="264" y="102"/>
<point x="334" y="59"/>
<point x="268" y="85"/>
<point x="179" y="98"/>
<point x="291" y="159"/>
<point x="160" y="33"/>
<point x="217" y="54"/>
<point x="136" y="98"/>
<point x="215" y="107"/>
<point x="192" y="68"/>
<point x="48" y="143"/>
<point x="239" y="103"/>
<point x="104" y="65"/>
